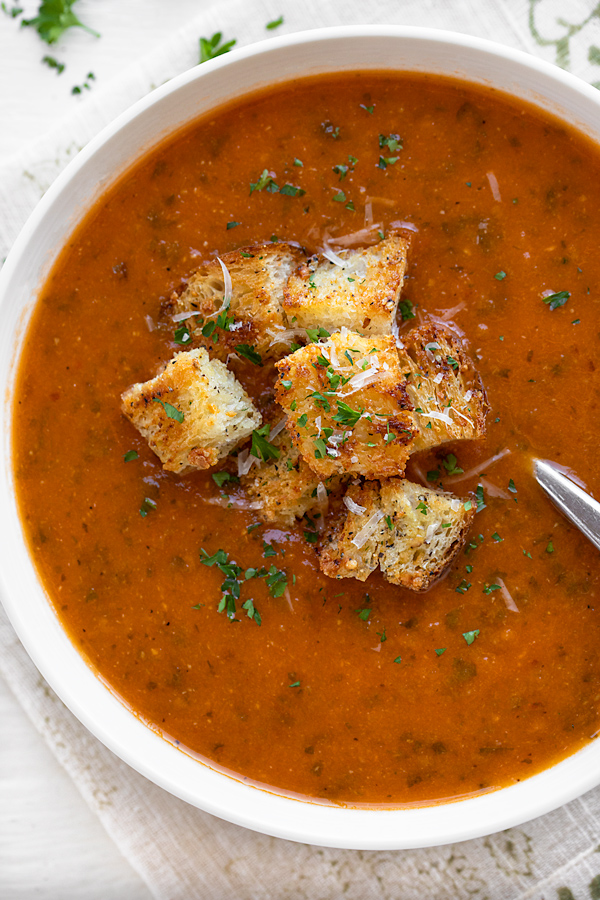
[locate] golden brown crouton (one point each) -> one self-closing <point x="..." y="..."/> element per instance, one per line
<point x="254" y="317"/>
<point x="347" y="406"/>
<point x="361" y="296"/>
<point x="286" y="487"/>
<point x="445" y="390"/>
<point x="412" y="533"/>
<point x="192" y="414"/>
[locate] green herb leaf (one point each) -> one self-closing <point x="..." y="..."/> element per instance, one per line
<point x="249" y="353"/>
<point x="463" y="587"/>
<point x="212" y="47"/>
<point x="368" y="109"/>
<point x="398" y="660"/>
<point x="449" y="463"/>
<point x="314" y="334"/>
<point x="470" y="636"/>
<point x="221" y="478"/>
<point x="131" y="455"/>
<point x="261" y="448"/>
<point x="488" y="588"/>
<point x="433" y="475"/>
<point x="496" y="538"/>
<point x="274" y="24"/>
<point x="550" y="548"/>
<point x="406" y="310"/>
<point x="148" y="505"/>
<point x="422" y="507"/>
<point x="276" y="581"/>
<point x="500" y="276"/>
<point x="553" y="301"/>
<point x="291" y="191"/>
<point x="364" y="614"/>
<point x="480" y="498"/>
<point x="171" y="411"/>
<point x="182" y="335"/>
<point x="232" y="225"/>
<point x="295" y="684"/>
<point x="265" y="180"/>
<point x="440" y="651"/>
<point x="340" y="197"/>
<point x="511" y="487"/>
<point x="53" y="63"/>
<point x="346" y="415"/>
<point x="54" y="18"/>
<point x="392" y="141"/>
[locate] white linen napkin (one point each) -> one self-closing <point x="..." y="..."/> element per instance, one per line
<point x="181" y="852"/>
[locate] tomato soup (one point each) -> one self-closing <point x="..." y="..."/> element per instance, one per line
<point x="349" y="692"/>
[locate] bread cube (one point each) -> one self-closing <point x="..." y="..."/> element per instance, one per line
<point x="286" y="487"/>
<point x="193" y="413"/>
<point x="361" y="296"/>
<point x="254" y="317"/>
<point x="444" y="389"/>
<point x="348" y="410"/>
<point x="412" y="533"/>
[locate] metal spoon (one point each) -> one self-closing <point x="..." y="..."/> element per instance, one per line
<point x="570" y="499"/>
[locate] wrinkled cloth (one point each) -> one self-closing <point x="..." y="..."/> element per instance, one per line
<point x="181" y="852"/>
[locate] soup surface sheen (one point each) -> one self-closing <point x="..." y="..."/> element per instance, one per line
<point x="343" y="693"/>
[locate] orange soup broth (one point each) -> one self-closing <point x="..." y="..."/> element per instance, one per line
<point x="323" y="699"/>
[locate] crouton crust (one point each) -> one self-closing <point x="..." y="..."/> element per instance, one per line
<point x="443" y="381"/>
<point x="405" y="536"/>
<point x="362" y="426"/>
<point x="210" y="412"/>
<point x="362" y="296"/>
<point x="255" y="315"/>
<point x="286" y="487"/>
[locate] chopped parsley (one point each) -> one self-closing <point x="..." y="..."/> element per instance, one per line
<point x="470" y="636"/>
<point x="274" y="24"/>
<point x="398" y="659"/>
<point x="392" y="141"/>
<point x="261" y="448"/>
<point x="314" y="334"/>
<point x="382" y="636"/>
<point x="467" y="505"/>
<point x="406" y="309"/>
<point x="480" y="498"/>
<point x="268" y="550"/>
<point x="289" y="190"/>
<point x="182" y="335"/>
<point x="276" y="580"/>
<point x="511" y="487"/>
<point x="53" y="63"/>
<point x="212" y="47"/>
<point x="249" y="353"/>
<point x="342" y="171"/>
<point x="232" y="225"/>
<point x="54" y="18"/>
<point x="488" y="588"/>
<point x="148" y="505"/>
<point x="388" y="522"/>
<point x="264" y="181"/>
<point x="440" y="651"/>
<point x="433" y="475"/>
<point x="496" y="538"/>
<point x="553" y="301"/>
<point x="364" y="614"/>
<point x="500" y="276"/>
<point x="449" y="463"/>
<point x="171" y="411"/>
<point x="130" y="455"/>
<point x="295" y="684"/>
<point x="422" y="507"/>
<point x="550" y="548"/>
<point x="220" y="478"/>
<point x="368" y="109"/>
<point x="346" y="415"/>
<point x="463" y="587"/>
<point x="340" y="197"/>
<point x="252" y="611"/>
<point x="287" y="385"/>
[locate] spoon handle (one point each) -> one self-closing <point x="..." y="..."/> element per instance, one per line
<point x="574" y="502"/>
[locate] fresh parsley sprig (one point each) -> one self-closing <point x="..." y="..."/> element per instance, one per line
<point x="54" y="18"/>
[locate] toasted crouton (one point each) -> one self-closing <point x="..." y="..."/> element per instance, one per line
<point x="412" y="533"/>
<point x="193" y="413"/>
<point x="286" y="487"/>
<point x="348" y="410"/>
<point x="254" y="317"/>
<point x="443" y="386"/>
<point x="361" y="296"/>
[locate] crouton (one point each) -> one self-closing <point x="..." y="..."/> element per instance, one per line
<point x="348" y="410"/>
<point x="286" y="487"/>
<point x="412" y="533"/>
<point x="193" y="413"/>
<point x="443" y="386"/>
<point x="361" y="296"/>
<point x="254" y="318"/>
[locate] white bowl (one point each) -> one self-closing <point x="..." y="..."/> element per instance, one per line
<point x="95" y="168"/>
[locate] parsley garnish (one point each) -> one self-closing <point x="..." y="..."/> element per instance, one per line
<point x="302" y="420"/>
<point x="555" y="300"/>
<point x="295" y="684"/>
<point x="232" y="225"/>
<point x="276" y="580"/>
<point x="470" y="636"/>
<point x="54" y="64"/>
<point x="488" y="588"/>
<point x="274" y="24"/>
<point x="249" y="353"/>
<point x="500" y="276"/>
<point x="171" y="411"/>
<point x="314" y="334"/>
<point x="480" y="499"/>
<point x="511" y="487"/>
<point x="265" y="180"/>
<point x="261" y="448"/>
<point x="398" y="659"/>
<point x="393" y="142"/>
<point x="131" y="455"/>
<point x="340" y="197"/>
<point x="252" y="611"/>
<point x="346" y="415"/>
<point x="364" y="614"/>
<point x="433" y="475"/>
<point x="182" y="335"/>
<point x="550" y="548"/>
<point x="388" y="522"/>
<point x="287" y="385"/>
<point x="406" y="310"/>
<point x="422" y="507"/>
<point x="342" y="171"/>
<point x="463" y="587"/>
<point x="449" y="463"/>
<point x="368" y="109"/>
<point x="291" y="191"/>
<point x="268" y="550"/>
<point x="496" y="538"/>
<point x="54" y="18"/>
<point x="440" y="651"/>
<point x="220" y="478"/>
<point x="148" y="505"/>
<point x="212" y="47"/>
